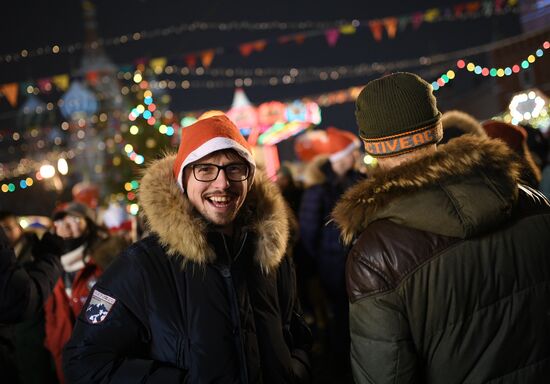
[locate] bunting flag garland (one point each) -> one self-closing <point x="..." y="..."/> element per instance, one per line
<point x="238" y="77"/>
<point x="483" y="8"/>
<point x="246" y="77"/>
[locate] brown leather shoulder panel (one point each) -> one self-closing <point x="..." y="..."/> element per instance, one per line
<point x="386" y="253"/>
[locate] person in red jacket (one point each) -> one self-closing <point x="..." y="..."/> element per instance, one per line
<point x="87" y="251"/>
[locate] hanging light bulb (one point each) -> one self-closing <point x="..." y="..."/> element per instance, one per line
<point x="47" y="171"/>
<point x="62" y="166"/>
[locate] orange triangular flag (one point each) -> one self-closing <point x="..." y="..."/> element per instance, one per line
<point x="259" y="45"/>
<point x="473" y="7"/>
<point x="207" y="57"/>
<point x="391" y="26"/>
<point x="376" y="28"/>
<point x="246" y="49"/>
<point x="10" y="91"/>
<point x="299" y="38"/>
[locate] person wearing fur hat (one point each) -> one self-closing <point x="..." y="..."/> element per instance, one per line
<point x="209" y="296"/>
<point x="326" y="177"/>
<point x="87" y="251"/>
<point x="449" y="275"/>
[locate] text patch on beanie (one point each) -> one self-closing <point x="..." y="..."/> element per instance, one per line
<point x="99" y="307"/>
<point x="405" y="142"/>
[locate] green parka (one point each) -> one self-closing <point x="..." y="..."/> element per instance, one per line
<point x="449" y="279"/>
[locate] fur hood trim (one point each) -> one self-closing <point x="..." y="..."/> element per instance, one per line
<point x="460" y="159"/>
<point x="463" y="121"/>
<point x="183" y="232"/>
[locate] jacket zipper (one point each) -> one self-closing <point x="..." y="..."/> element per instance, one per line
<point x="237" y="332"/>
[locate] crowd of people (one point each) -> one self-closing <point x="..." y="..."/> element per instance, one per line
<point x="430" y="266"/>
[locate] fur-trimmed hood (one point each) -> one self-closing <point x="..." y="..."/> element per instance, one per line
<point x="465" y="188"/>
<point x="170" y="215"/>
<point x="465" y="122"/>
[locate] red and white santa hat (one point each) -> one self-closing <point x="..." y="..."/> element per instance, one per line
<point x="209" y="135"/>
<point x="340" y="143"/>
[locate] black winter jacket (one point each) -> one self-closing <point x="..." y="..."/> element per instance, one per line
<point x="189" y="304"/>
<point x="319" y="235"/>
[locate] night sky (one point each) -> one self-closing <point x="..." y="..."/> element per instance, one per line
<point x="32" y="25"/>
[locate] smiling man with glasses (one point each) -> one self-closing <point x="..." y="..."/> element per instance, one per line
<point x="210" y="295"/>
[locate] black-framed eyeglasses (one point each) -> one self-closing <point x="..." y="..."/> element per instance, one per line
<point x="209" y="172"/>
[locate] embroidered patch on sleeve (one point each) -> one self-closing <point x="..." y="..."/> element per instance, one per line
<point x="99" y="307"/>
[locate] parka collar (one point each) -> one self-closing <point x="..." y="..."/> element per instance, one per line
<point x="434" y="193"/>
<point x="183" y="231"/>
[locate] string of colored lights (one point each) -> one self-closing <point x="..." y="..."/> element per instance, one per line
<point x="292" y="75"/>
<point x="45" y="171"/>
<point x="147" y="114"/>
<point x="169" y="130"/>
<point x="462" y="11"/>
<point x="493" y="72"/>
<point x="440" y="82"/>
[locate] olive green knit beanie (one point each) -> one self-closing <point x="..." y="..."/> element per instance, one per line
<point x="397" y="113"/>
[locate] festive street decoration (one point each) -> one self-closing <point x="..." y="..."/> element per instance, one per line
<point x="217" y="78"/>
<point x="527" y="105"/>
<point x="273" y="121"/>
<point x="242" y="112"/>
<point x="330" y="30"/>
<point x="493" y="72"/>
